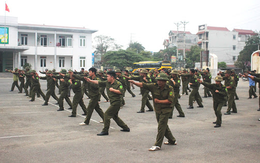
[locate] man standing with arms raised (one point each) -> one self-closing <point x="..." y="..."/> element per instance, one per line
<point x="163" y="98"/>
<point x="114" y="91"/>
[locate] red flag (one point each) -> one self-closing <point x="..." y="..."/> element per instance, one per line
<point x="7" y="8"/>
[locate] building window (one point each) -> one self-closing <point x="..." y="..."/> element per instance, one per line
<point x="234" y="37"/>
<point x="62" y="40"/>
<point x="24" y="39"/>
<point x="23" y="60"/>
<point x="61" y="61"/>
<point x="234" y="58"/>
<point x="69" y="42"/>
<point x="82" y="61"/>
<point x="82" y="41"/>
<point x="43" y="61"/>
<point x="43" y="40"/>
<point x="234" y="47"/>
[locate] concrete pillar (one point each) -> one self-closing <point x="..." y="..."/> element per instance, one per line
<point x="35" y="55"/>
<point x="19" y="60"/>
<point x="55" y="50"/>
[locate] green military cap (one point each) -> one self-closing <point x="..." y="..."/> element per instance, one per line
<point x="70" y="70"/>
<point x="162" y="76"/>
<point x="143" y="71"/>
<point x="136" y="72"/>
<point x="151" y="71"/>
<point x="54" y="70"/>
<point x="227" y="72"/>
<point x="63" y="71"/>
<point x="219" y="78"/>
<point x="49" y="72"/>
<point x="100" y="71"/>
<point x="175" y="72"/>
<point x="233" y="70"/>
<point x="117" y="70"/>
<point x="32" y="71"/>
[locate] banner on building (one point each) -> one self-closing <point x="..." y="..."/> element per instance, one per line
<point x="4" y="35"/>
<point x="173" y="59"/>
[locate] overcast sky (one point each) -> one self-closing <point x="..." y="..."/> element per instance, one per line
<point x="145" y="21"/>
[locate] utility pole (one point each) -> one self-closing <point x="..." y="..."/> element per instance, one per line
<point x="177" y="24"/>
<point x="184" y="23"/>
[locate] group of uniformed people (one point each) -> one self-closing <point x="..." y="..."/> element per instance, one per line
<point x="164" y="87"/>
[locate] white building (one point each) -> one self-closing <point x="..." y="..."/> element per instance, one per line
<point x="52" y="47"/>
<point x="176" y="38"/>
<point x="222" y="42"/>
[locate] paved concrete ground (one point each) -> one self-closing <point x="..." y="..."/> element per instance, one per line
<point x="30" y="132"/>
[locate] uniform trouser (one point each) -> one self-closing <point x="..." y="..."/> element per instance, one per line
<point x="145" y="101"/>
<point x="93" y="104"/>
<point x="77" y="99"/>
<point x="206" y="92"/>
<point x="102" y="92"/>
<point x="15" y="83"/>
<point x="251" y="91"/>
<point x="64" y="94"/>
<point x="112" y="112"/>
<point x="30" y="95"/>
<point x="50" y="92"/>
<point x="163" y="129"/>
<point x="194" y="95"/>
<point x="217" y="108"/>
<point x="129" y="90"/>
<point x="177" y="105"/>
<point x="26" y="86"/>
<point x="37" y="89"/>
<point x="22" y="87"/>
<point x="184" y="87"/>
<point x="149" y="97"/>
<point x="231" y="101"/>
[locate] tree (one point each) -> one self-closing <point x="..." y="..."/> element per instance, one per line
<point x="159" y="56"/>
<point x="136" y="47"/>
<point x="121" y="58"/>
<point x="105" y="43"/>
<point x="244" y="57"/>
<point x="193" y="56"/>
<point x="146" y="55"/>
<point x="222" y="65"/>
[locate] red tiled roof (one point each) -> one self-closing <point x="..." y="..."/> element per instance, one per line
<point x="187" y="32"/>
<point x="245" y="32"/>
<point x="217" y="28"/>
<point x="199" y="42"/>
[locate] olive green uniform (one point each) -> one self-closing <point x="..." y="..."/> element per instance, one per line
<point x="15" y="81"/>
<point x="102" y="89"/>
<point x="77" y="99"/>
<point x="121" y="79"/>
<point x="231" y="94"/>
<point x="162" y="111"/>
<point x="144" y="92"/>
<point x="194" y="95"/>
<point x="219" y="99"/>
<point x="36" y="88"/>
<point x="115" y="103"/>
<point x="21" y="79"/>
<point x="50" y="89"/>
<point x="93" y="92"/>
<point x="185" y="82"/>
<point x="206" y="78"/>
<point x="64" y="88"/>
<point x="236" y="78"/>
<point x="128" y="88"/>
<point x="176" y="103"/>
